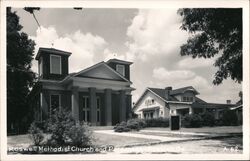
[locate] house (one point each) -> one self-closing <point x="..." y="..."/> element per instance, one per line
<point x="100" y="94"/>
<point x="157" y="102"/>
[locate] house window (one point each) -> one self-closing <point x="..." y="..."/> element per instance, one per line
<point x="120" y="69"/>
<point x="187" y="99"/>
<point x="98" y="107"/>
<point x="54" y="102"/>
<point x="86" y="109"/>
<point x="55" y="64"/>
<point x="40" y="67"/>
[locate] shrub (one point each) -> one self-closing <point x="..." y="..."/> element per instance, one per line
<point x="208" y="119"/>
<point x="131" y="124"/>
<point x="79" y="135"/>
<point x="229" y="118"/>
<point x="157" y="122"/>
<point x="65" y="131"/>
<point x="193" y="120"/>
<point x="136" y="124"/>
<point x="122" y="127"/>
<point x="36" y="134"/>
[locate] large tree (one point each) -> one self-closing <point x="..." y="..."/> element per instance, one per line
<point x="215" y="31"/>
<point x="19" y="75"/>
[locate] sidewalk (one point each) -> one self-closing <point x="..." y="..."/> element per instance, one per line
<point x="162" y="139"/>
<point x="176" y="132"/>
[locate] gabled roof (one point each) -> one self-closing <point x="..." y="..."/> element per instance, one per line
<point x="161" y="92"/>
<point x="118" y="61"/>
<point x="182" y="90"/>
<point x="106" y="66"/>
<point x="51" y="50"/>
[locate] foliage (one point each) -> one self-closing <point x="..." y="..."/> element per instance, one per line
<point x="241" y="98"/>
<point x="229" y="118"/>
<point x="136" y="124"/>
<point x="131" y="124"/>
<point x="192" y="121"/>
<point x="65" y="130"/>
<point x="31" y="9"/>
<point x="215" y="31"/>
<point x="157" y="122"/>
<point x="58" y="125"/>
<point x="36" y="134"/>
<point x="121" y="127"/>
<point x="19" y="75"/>
<point x="79" y="135"/>
<point x="208" y="119"/>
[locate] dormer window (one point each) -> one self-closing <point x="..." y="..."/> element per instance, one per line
<point x="187" y="99"/>
<point x="55" y="64"/>
<point x="120" y="69"/>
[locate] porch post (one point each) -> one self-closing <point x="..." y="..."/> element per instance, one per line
<point x="75" y="103"/>
<point x="122" y="106"/>
<point x="108" y="107"/>
<point x="190" y="110"/>
<point x="93" y="105"/>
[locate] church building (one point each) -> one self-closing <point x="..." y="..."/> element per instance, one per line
<point x="99" y="94"/>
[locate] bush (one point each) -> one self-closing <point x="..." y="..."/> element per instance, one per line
<point x="208" y="119"/>
<point x="229" y="118"/>
<point x="136" y="124"/>
<point x="157" y="122"/>
<point x="122" y="127"/>
<point x="65" y="131"/>
<point x="131" y="124"/>
<point x="36" y="134"/>
<point x="79" y="135"/>
<point x="192" y="121"/>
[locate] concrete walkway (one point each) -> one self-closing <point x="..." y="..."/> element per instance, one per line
<point x="137" y="135"/>
<point x="176" y="132"/>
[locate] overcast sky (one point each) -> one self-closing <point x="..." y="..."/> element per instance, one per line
<point x="151" y="38"/>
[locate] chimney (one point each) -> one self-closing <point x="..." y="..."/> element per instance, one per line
<point x="167" y="91"/>
<point x="228" y="101"/>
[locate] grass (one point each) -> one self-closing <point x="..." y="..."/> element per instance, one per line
<point x="98" y="139"/>
<point x="102" y="139"/>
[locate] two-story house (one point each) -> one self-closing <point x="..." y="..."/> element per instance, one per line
<point x="157" y="102"/>
<point x="100" y="94"/>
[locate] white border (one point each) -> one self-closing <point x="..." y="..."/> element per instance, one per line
<point x="129" y="4"/>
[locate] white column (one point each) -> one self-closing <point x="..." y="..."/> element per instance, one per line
<point x="75" y="103"/>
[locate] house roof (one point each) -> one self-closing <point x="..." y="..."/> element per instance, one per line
<point x="182" y="90"/>
<point x="161" y="94"/>
<point x="51" y="50"/>
<point x="211" y="105"/>
<point x="119" y="61"/>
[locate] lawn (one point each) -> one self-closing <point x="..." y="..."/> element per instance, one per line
<point x="98" y="139"/>
<point x="105" y="139"/>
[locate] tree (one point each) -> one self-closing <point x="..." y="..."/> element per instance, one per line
<point x="20" y="78"/>
<point x="241" y="98"/>
<point x="215" y="31"/>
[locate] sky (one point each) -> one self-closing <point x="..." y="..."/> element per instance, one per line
<point x="150" y="38"/>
